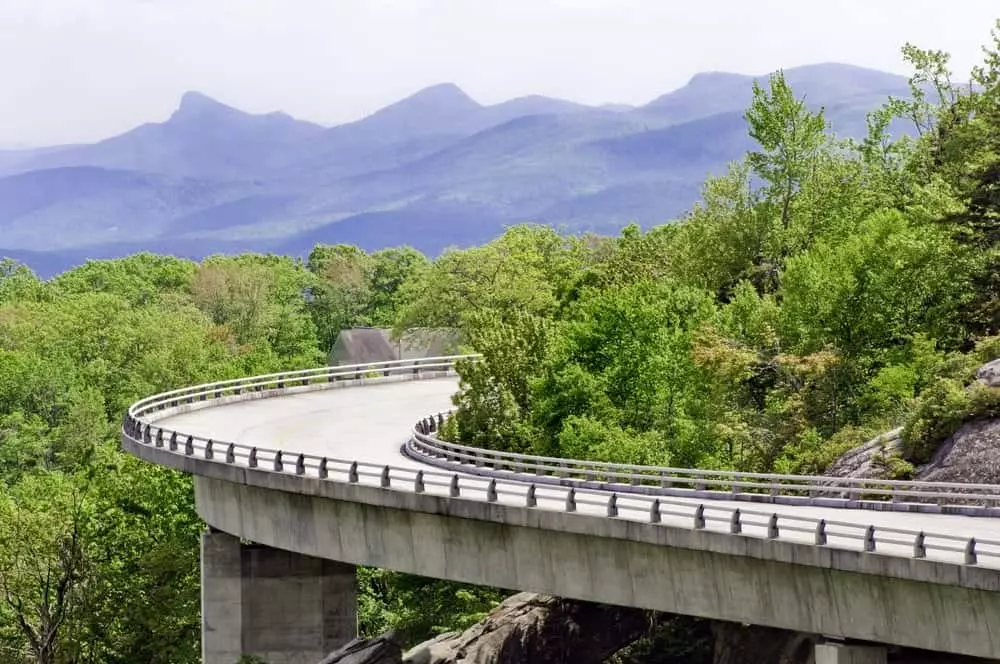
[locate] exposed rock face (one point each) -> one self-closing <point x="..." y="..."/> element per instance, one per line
<point x="989" y="373"/>
<point x="862" y="460"/>
<point x="539" y="629"/>
<point x="972" y="454"/>
<point x="383" y="649"/>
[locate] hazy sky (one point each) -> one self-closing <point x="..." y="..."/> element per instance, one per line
<point x="83" y="69"/>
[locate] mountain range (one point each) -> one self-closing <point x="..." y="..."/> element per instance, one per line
<point x="433" y="170"/>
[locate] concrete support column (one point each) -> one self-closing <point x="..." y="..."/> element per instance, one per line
<point x="282" y="607"/>
<point x="842" y="653"/>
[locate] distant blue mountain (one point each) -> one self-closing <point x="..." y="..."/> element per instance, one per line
<point x="432" y="170"/>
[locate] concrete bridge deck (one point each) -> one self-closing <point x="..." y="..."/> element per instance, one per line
<point x="371" y="423"/>
<point x="859" y="584"/>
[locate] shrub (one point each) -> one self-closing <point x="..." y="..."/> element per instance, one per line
<point x="941" y="409"/>
<point x="893" y="466"/>
<point x="812" y="455"/>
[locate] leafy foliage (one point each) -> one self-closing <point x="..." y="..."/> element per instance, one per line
<point x="822" y="292"/>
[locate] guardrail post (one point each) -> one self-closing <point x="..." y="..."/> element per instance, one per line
<point x="352" y="473"/>
<point x="530" y="499"/>
<point x="820" y="533"/>
<point x="384" y="481"/>
<point x="699" y="486"/>
<point x="654" y="512"/>
<point x="772" y="526"/>
<point x="281" y="384"/>
<point x="870" y="538"/>
<point x="453" y="489"/>
<point x="665" y="482"/>
<point x="147" y="435"/>
<point x="491" y="492"/>
<point x="699" y="517"/>
<point x="479" y="461"/>
<point x="440" y="421"/>
<point x="571" y="500"/>
<point x="418" y="482"/>
<point x="279" y="465"/>
<point x="636" y="479"/>
<point x="613" y="505"/>
<point x="735" y="525"/>
<point x="775" y="490"/>
<point x="231" y="453"/>
<point x="189" y="446"/>
<point x="209" y="452"/>
<point x="919" y="547"/>
<point x="159" y="438"/>
<point x="218" y="394"/>
<point x="970" y="552"/>
<point x="173" y="442"/>
<point x="300" y="465"/>
<point x="324" y="470"/>
<point x="416" y="367"/>
<point x="252" y="461"/>
<point x="563" y="470"/>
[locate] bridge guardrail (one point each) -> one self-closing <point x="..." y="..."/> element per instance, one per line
<point x="735" y="485"/>
<point x="139" y="426"/>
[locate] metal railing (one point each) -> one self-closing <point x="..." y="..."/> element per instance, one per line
<point x="139" y="426"/>
<point x="719" y="484"/>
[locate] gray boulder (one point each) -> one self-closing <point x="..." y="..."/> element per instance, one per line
<point x="383" y="649"/>
<point x="989" y="373"/>
<point x="540" y="629"/>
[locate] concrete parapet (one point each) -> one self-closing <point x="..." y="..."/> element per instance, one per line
<point x="280" y="606"/>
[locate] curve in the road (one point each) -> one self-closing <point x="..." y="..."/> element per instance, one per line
<point x="369" y="424"/>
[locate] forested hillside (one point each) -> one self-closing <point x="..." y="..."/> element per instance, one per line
<point x="823" y="291"/>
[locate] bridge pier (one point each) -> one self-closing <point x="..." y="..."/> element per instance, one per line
<point x="283" y="607"/>
<point x="844" y="653"/>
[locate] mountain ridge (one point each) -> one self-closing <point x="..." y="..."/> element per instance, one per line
<point x="433" y="169"/>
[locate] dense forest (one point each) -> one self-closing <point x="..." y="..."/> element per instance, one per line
<point x="823" y="291"/>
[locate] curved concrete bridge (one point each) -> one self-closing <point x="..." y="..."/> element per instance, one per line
<point x="330" y="468"/>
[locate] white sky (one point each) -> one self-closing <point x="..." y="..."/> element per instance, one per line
<point x="75" y="70"/>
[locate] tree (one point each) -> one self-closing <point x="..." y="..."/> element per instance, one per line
<point x="340" y="293"/>
<point x="791" y="140"/>
<point x="43" y="563"/>
<point x="529" y="268"/>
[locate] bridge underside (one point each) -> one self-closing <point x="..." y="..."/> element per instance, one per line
<point x="749" y="580"/>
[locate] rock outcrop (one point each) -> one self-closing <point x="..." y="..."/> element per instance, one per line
<point x="865" y="460"/>
<point x="383" y="649"/>
<point x="972" y="454"/>
<point x="989" y="374"/>
<point x="540" y="629"/>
